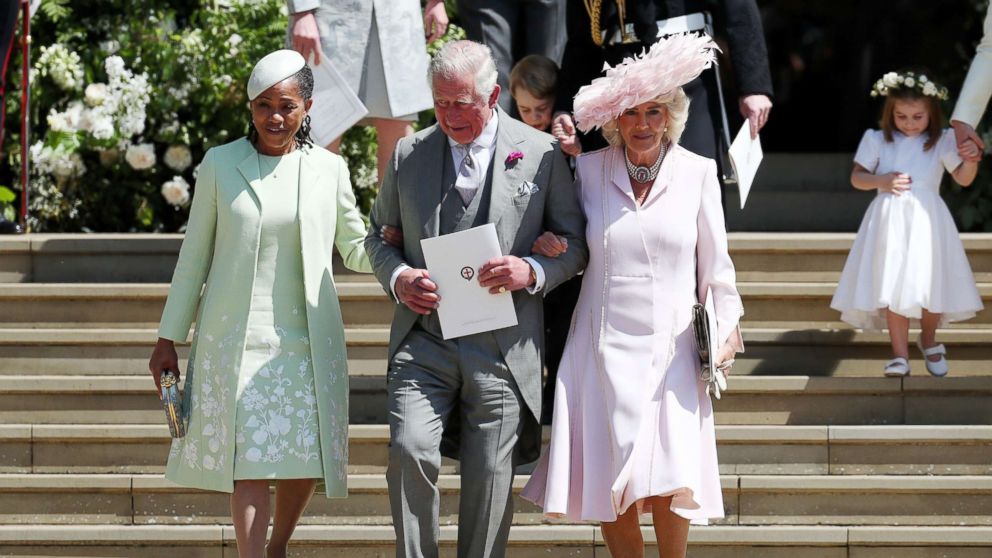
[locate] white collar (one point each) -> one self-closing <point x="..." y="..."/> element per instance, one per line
<point x="488" y="136"/>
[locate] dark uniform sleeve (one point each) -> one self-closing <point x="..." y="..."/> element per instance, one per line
<point x="746" y="43"/>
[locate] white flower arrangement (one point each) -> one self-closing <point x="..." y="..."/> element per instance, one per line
<point x="95" y="94"/>
<point x="178" y="158"/>
<point x="176" y="191"/>
<point x="68" y="121"/>
<point x="908" y="80"/>
<point x="140" y="156"/>
<point x="233" y="41"/>
<point x="57" y="161"/>
<point x="98" y="124"/>
<point x="62" y="65"/>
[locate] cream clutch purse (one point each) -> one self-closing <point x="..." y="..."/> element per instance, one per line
<point x="705" y="337"/>
<point x="173" y="404"/>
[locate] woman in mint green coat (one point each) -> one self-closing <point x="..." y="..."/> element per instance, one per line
<point x="267" y="383"/>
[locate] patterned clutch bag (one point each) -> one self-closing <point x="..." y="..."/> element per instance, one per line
<point x="173" y="403"/>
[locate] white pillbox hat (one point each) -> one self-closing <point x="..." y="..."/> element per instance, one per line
<point x="273" y="68"/>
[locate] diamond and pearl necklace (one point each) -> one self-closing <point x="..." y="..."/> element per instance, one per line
<point x="641" y="173"/>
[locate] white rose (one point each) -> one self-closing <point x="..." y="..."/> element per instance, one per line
<point x="890" y="79"/>
<point x="176" y="191"/>
<point x="923" y="79"/>
<point x="74" y="113"/>
<point x="909" y="82"/>
<point x="930" y="89"/>
<point x="96" y="93"/>
<point x="178" y="158"/>
<point x="140" y="156"/>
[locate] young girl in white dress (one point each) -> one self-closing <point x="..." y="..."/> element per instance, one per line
<point x="907" y="261"/>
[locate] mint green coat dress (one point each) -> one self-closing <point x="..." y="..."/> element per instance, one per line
<point x="221" y="256"/>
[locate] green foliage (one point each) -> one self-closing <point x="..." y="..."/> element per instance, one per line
<point x="55" y="10"/>
<point x="184" y="63"/>
<point x="7" y="197"/>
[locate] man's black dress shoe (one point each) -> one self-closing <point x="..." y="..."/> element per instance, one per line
<point x="9" y="227"/>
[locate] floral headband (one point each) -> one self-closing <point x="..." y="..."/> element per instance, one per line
<point x="908" y="80"/>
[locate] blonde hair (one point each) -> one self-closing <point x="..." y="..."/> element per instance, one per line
<point x="535" y="73"/>
<point x="676" y="104"/>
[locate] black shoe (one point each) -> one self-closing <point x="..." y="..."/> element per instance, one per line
<point x="9" y="227"/>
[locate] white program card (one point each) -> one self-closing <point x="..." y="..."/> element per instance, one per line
<point x="335" y="106"/>
<point x="745" y="155"/>
<point x="453" y="261"/>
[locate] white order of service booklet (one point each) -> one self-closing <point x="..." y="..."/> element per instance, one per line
<point x="453" y="261"/>
<point x="745" y="154"/>
<point x="335" y="106"/>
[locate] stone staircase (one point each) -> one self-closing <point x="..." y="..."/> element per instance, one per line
<point x="820" y="455"/>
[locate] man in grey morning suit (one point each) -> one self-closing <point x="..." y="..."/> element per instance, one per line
<point x="474" y="398"/>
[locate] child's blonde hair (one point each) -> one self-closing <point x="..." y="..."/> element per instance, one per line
<point x="537" y="74"/>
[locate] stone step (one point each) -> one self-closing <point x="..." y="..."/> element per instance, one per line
<point x="525" y="541"/>
<point x="758" y="400"/>
<point x="752" y="450"/>
<point x="364" y="303"/>
<point x="139" y="305"/>
<point x="142" y="258"/>
<point x="748" y="500"/>
<point x="775" y="351"/>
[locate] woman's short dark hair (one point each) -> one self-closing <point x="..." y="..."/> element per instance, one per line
<point x="304" y="81"/>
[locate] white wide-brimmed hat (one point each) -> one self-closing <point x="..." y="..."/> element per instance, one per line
<point x="273" y="68"/>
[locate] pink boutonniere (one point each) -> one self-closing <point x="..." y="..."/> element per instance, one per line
<point x="512" y="158"/>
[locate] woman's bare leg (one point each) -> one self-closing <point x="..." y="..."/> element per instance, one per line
<point x="250" y="513"/>
<point x="292" y="497"/>
<point x="389" y="132"/>
<point x="623" y="536"/>
<point x="671" y="529"/>
<point x="898" y="333"/>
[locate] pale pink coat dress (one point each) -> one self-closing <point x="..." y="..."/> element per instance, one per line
<point x="632" y="419"/>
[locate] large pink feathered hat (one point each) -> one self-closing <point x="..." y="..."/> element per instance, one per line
<point x="670" y="63"/>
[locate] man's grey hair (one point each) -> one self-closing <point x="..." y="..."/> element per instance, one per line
<point x="460" y="58"/>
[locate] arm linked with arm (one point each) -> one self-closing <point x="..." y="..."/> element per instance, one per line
<point x="563" y="215"/>
<point x="350" y="233"/>
<point x="385" y="259"/>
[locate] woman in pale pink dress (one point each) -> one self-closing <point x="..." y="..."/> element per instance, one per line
<point x="633" y="425"/>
